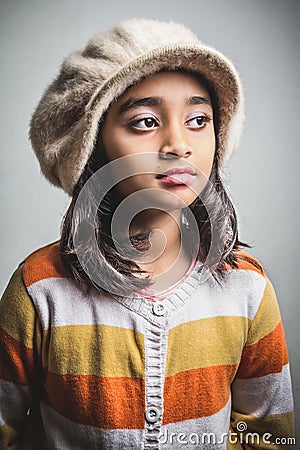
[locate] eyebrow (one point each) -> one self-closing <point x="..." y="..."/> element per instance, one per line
<point x="198" y="100"/>
<point x="132" y="102"/>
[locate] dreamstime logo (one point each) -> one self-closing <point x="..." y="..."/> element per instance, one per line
<point x="242" y="436"/>
<point x="241" y="426"/>
<point x="142" y="167"/>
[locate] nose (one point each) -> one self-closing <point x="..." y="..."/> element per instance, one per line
<point x="174" y="144"/>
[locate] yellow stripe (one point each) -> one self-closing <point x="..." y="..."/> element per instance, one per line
<point x="96" y="350"/>
<point x="267" y="317"/>
<point x="206" y="342"/>
<point x="17" y="314"/>
<point x="9" y="434"/>
<point x="277" y="425"/>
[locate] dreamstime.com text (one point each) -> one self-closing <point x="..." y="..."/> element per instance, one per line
<point x="242" y="437"/>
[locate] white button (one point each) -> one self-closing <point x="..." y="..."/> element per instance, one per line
<point x="152" y="414"/>
<point x="158" y="309"/>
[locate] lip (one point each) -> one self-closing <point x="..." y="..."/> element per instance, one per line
<point x="177" y="176"/>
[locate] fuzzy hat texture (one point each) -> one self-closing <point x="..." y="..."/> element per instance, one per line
<point x="64" y="126"/>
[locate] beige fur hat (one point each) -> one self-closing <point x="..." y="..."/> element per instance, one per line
<point x="64" y="126"/>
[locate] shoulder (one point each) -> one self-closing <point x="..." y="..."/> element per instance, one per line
<point x="252" y="278"/>
<point x="247" y="262"/>
<point x="17" y="312"/>
<point x="43" y="263"/>
<point x="249" y="279"/>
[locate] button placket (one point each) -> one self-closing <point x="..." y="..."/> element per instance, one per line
<point x="155" y="359"/>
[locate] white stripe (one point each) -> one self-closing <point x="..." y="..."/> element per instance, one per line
<point x="239" y="295"/>
<point x="203" y="433"/>
<point x="14" y="402"/>
<point x="63" y="434"/>
<point x="271" y="394"/>
<point x="60" y="302"/>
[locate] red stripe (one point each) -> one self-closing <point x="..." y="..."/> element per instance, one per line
<point x="266" y="356"/>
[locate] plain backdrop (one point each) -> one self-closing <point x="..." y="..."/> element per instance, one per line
<point x="260" y="36"/>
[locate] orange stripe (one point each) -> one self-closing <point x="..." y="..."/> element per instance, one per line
<point x="102" y="402"/>
<point x="43" y="263"/>
<point x="244" y="264"/>
<point x="17" y="361"/>
<point x="197" y="392"/>
<point x="266" y="356"/>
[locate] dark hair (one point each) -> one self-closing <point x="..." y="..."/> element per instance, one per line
<point x="213" y="211"/>
<point x="212" y="207"/>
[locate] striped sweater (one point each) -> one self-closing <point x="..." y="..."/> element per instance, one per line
<point x="207" y="367"/>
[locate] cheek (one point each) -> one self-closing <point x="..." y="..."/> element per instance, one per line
<point x="112" y="141"/>
<point x="111" y="146"/>
<point x="210" y="158"/>
<point x="205" y="155"/>
<point x="119" y="145"/>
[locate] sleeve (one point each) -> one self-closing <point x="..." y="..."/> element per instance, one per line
<point x="20" y="369"/>
<point x="262" y="402"/>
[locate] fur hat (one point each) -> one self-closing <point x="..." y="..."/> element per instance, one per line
<point x="64" y="126"/>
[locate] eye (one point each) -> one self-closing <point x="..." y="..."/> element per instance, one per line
<point x="147" y="123"/>
<point x="198" y="122"/>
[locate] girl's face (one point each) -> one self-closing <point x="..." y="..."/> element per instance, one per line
<point x="169" y="115"/>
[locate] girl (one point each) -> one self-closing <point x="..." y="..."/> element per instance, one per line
<point x="145" y="326"/>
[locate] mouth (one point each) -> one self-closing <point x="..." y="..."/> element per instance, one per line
<point x="177" y="176"/>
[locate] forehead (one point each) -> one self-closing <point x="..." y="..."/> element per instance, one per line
<point x="182" y="78"/>
<point x="167" y="85"/>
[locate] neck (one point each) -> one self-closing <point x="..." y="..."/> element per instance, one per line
<point x="166" y="261"/>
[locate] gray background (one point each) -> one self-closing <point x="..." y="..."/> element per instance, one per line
<point x="260" y="36"/>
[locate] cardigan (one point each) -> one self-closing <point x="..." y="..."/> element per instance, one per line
<point x="206" y="367"/>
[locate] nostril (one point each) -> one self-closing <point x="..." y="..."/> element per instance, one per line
<point x="169" y="155"/>
<point x="176" y="150"/>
